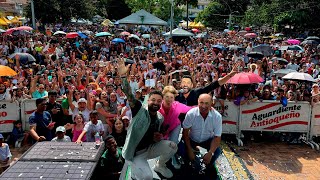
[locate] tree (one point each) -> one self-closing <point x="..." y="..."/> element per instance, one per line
<point x="113" y="9"/>
<point x="51" y="11"/>
<point x="213" y="16"/>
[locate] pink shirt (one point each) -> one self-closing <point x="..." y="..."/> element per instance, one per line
<point x="171" y="118"/>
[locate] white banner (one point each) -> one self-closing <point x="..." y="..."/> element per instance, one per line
<point x="272" y="116"/>
<point x="315" y="121"/>
<point x="28" y="106"/>
<point x="9" y="113"/>
<point x="230" y="117"/>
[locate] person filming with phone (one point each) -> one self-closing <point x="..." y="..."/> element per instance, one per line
<point x="55" y="110"/>
<point x="40" y="121"/>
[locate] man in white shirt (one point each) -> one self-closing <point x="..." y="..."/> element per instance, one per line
<point x="203" y="127"/>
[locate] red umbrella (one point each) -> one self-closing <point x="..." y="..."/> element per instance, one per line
<point x="125" y="33"/>
<point x="248" y="29"/>
<point x="195" y="30"/>
<point x="251" y="35"/>
<point x="245" y="78"/>
<point x="24" y="28"/>
<point x="72" y="35"/>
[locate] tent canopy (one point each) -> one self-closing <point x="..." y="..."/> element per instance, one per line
<point x="143" y="17"/>
<point x="179" y="32"/>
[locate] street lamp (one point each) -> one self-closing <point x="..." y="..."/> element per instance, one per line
<point x="33" y="16"/>
<point x="171" y="17"/>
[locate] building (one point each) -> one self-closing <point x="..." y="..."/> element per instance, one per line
<point x="12" y="7"/>
<point x="194" y="10"/>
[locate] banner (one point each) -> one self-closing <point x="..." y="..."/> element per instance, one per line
<point x="272" y="116"/>
<point x="315" y="121"/>
<point x="28" y="106"/>
<point x="230" y="117"/>
<point x="9" y="113"/>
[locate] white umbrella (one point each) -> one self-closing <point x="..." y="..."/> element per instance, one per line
<point x="299" y="76"/>
<point x="134" y="36"/>
<point x="283" y="72"/>
<point x="59" y="33"/>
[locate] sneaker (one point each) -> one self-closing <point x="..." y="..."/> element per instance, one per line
<point x="175" y="162"/>
<point x="163" y="170"/>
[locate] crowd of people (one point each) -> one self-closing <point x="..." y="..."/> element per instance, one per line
<point x="136" y="94"/>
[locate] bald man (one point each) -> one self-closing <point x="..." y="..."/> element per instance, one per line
<point x="203" y="127"/>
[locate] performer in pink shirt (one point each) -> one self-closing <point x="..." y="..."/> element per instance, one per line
<point x="171" y="109"/>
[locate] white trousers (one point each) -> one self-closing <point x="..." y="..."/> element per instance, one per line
<point x="140" y="169"/>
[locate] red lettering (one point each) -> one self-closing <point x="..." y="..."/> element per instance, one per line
<point x="3" y="114"/>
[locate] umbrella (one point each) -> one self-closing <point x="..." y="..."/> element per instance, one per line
<point x="140" y="47"/>
<point x="280" y="60"/>
<point x="245" y="78"/>
<point x="10" y="31"/>
<point x="313" y="38"/>
<point x="24" y="58"/>
<point x="202" y="35"/>
<point x="293" y="41"/>
<point x="283" y="72"/>
<point x="195" y="30"/>
<point x="233" y="48"/>
<point x="309" y="42"/>
<point x="87" y="32"/>
<point x="82" y="35"/>
<point x="118" y="40"/>
<point x="72" y="35"/>
<point x="299" y="76"/>
<point x="102" y="34"/>
<point x="24" y="28"/>
<point x="295" y="48"/>
<point x="219" y="47"/>
<point x="6" y="71"/>
<point x="265" y="49"/>
<point x="146" y="36"/>
<point x="175" y="74"/>
<point x="258" y="55"/>
<point x="21" y="32"/>
<point x="250" y="35"/>
<point x="279" y="34"/>
<point x="125" y="33"/>
<point x="59" y="33"/>
<point x="159" y="65"/>
<point x="248" y="29"/>
<point x="2" y="31"/>
<point x="134" y="36"/>
<point x="242" y="32"/>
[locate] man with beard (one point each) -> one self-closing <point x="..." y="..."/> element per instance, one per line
<point x="203" y="127"/>
<point x="144" y="138"/>
<point x="190" y="96"/>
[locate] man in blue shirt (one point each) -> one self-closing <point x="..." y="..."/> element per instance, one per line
<point x="41" y="122"/>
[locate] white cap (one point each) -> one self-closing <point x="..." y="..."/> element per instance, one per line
<point x="60" y="129"/>
<point x="82" y="100"/>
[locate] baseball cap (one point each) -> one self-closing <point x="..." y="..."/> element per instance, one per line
<point x="125" y="117"/>
<point x="82" y="100"/>
<point x="60" y="129"/>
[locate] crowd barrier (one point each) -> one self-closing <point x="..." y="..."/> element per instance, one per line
<point x="258" y="116"/>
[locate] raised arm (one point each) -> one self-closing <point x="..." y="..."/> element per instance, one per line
<point x="122" y="72"/>
<point x="234" y="71"/>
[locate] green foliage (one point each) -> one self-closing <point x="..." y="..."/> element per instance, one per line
<point x="160" y="8"/>
<point x="113" y="9"/>
<point x="210" y="16"/>
<point x="49" y="11"/>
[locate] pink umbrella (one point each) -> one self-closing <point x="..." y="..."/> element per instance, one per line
<point x="10" y="31"/>
<point x="250" y="35"/>
<point x="245" y="78"/>
<point x="125" y="33"/>
<point x="72" y="35"/>
<point x="24" y="28"/>
<point x="195" y="30"/>
<point x="293" y="41"/>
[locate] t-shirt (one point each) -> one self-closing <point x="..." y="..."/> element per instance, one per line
<point x="4" y="154"/>
<point x="64" y="139"/>
<point x="90" y="127"/>
<point x="38" y="94"/>
<point x="41" y="121"/>
<point x="85" y="114"/>
<point x="110" y="163"/>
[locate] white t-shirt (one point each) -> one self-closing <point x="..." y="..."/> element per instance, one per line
<point x="85" y="113"/>
<point x="3" y="61"/>
<point x="90" y="127"/>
